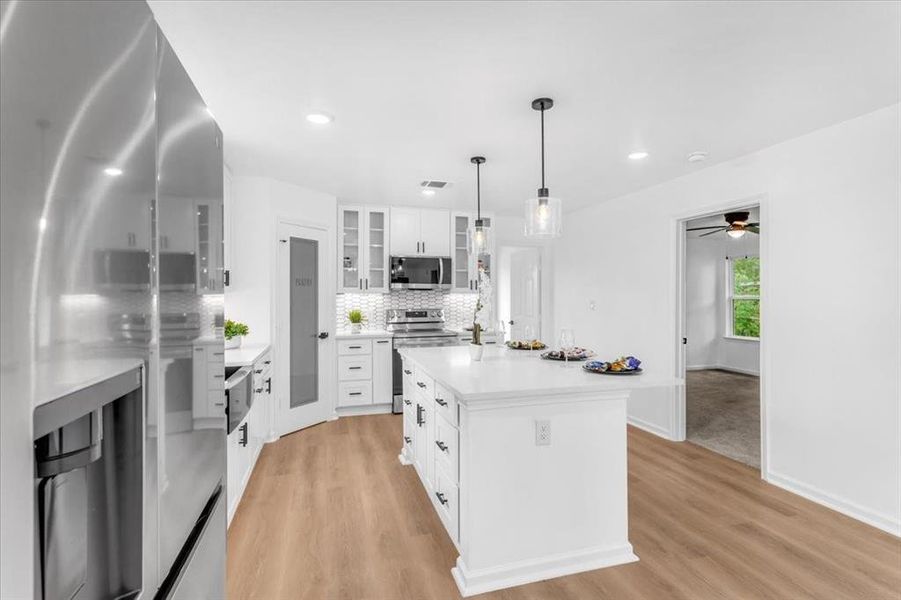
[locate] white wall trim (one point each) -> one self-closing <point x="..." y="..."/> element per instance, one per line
<point x="722" y="368"/>
<point x="651" y="428"/>
<point x="846" y="507"/>
<point x="357" y="411"/>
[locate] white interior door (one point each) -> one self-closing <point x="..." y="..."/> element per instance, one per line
<point x="525" y="293"/>
<point x="304" y="346"/>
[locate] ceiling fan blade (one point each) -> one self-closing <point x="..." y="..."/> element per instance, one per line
<point x="702" y="228"/>
<point x="711" y="232"/>
<point x="753" y="229"/>
<point x="753" y="224"/>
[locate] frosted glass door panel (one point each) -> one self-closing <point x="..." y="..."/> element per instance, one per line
<point x="462" y="270"/>
<point x="350" y="250"/>
<point x="377" y="244"/>
<point x="304" y="286"/>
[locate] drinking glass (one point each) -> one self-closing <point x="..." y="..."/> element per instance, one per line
<point x="529" y="333"/>
<point x="567" y="343"/>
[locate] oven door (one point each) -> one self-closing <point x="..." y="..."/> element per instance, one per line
<point x="420" y="273"/>
<point x="239" y="396"/>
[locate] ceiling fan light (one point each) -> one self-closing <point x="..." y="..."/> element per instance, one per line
<point x="735" y="232"/>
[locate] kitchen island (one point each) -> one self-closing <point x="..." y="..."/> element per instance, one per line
<point x="524" y="460"/>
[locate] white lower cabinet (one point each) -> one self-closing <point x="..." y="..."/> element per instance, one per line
<point x="431" y="443"/>
<point x="246" y="441"/>
<point x="364" y="371"/>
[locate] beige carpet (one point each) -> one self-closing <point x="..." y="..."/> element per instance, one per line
<point x="723" y="413"/>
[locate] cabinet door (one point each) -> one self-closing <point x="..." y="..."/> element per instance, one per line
<point x="376" y="252"/>
<point x="462" y="261"/>
<point x="405" y="232"/>
<point x="350" y="249"/>
<point x="210" y="249"/>
<point x="435" y="232"/>
<point x="381" y="372"/>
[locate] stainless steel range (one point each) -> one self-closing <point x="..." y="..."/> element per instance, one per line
<point x="419" y="328"/>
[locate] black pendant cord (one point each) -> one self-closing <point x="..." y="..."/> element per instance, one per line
<point x="542" y="148"/>
<point x="478" y="192"/>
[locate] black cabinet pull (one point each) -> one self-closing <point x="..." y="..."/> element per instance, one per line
<point x="258" y="371"/>
<point x="419" y="419"/>
<point x="355" y="394"/>
<point x="420" y="384"/>
<point x="258" y="391"/>
<point x="407" y="439"/>
<point x="243" y="440"/>
<point x="407" y="402"/>
<point x="441" y="445"/>
<point x="441" y="401"/>
<point x="441" y="498"/>
<point x="382" y="341"/>
<point x="267" y="362"/>
<point x="407" y="372"/>
<point x="269" y="385"/>
<point x="355" y="347"/>
<point x="354" y="368"/>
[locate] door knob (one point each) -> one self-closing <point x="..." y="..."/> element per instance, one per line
<point x="323" y="335"/>
<point x="510" y="321"/>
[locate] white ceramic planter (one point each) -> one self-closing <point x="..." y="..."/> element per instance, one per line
<point x="233" y="343"/>
<point x="475" y="351"/>
<point x="356" y="327"/>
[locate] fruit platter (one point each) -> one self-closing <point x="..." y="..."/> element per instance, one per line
<point x="571" y="354"/>
<point x="526" y="345"/>
<point x="624" y="365"/>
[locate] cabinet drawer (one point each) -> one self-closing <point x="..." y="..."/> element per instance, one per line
<point x="215" y="357"/>
<point x="445" y="404"/>
<point x="350" y="347"/>
<point x="446" y="500"/>
<point x="446" y="449"/>
<point x="351" y="368"/>
<point x="423" y="384"/>
<point x="354" y="393"/>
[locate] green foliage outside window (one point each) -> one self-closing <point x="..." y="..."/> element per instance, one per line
<point x="745" y="294"/>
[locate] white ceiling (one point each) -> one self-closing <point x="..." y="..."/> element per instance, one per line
<point x="419" y="87"/>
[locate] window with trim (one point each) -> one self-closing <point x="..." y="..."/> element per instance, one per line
<point x="743" y="297"/>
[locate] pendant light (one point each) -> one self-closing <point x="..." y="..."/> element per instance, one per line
<point x="479" y="235"/>
<point x="543" y="214"/>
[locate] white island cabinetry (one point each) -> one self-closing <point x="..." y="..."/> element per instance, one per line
<point x="523" y="459"/>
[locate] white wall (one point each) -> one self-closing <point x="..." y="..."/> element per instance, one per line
<point x="705" y="305"/>
<point x="830" y="254"/>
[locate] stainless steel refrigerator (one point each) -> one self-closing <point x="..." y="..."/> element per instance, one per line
<point x="111" y="251"/>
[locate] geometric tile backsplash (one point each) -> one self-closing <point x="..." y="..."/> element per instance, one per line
<point x="458" y="307"/>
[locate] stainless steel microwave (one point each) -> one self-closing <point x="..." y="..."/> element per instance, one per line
<point x="421" y="273"/>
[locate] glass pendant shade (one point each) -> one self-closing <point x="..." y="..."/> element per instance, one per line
<point x="544" y="217"/>
<point x="478" y="238"/>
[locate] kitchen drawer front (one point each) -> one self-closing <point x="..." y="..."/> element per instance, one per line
<point x="424" y="384"/>
<point x="215" y="377"/>
<point x="446" y="448"/>
<point x="447" y="500"/>
<point x="409" y="405"/>
<point x="409" y="432"/>
<point x="352" y="368"/>
<point x="354" y="393"/>
<point x="445" y="404"/>
<point x="216" y="356"/>
<point x="351" y="347"/>
<point x="216" y="402"/>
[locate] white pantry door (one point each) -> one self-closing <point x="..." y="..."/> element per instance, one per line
<point x="525" y="293"/>
<point x="303" y="342"/>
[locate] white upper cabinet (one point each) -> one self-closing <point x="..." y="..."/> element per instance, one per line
<point x="363" y="239"/>
<point x="434" y="232"/>
<point x="420" y="232"/>
<point x="405" y="223"/>
<point x="466" y="274"/>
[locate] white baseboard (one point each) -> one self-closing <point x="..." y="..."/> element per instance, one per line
<point x="846" y="507"/>
<point x="723" y="368"/>
<point x="651" y="428"/>
<point x="472" y="582"/>
<point x="358" y="411"/>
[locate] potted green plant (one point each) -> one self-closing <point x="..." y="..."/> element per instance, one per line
<point x="356" y="318"/>
<point x="234" y="331"/>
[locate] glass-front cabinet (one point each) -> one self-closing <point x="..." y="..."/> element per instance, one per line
<point x="363" y="249"/>
<point x="466" y="274"/>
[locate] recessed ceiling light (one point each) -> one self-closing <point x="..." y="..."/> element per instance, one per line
<point x="428" y="192"/>
<point x="113" y="171"/>
<point x="638" y="155"/>
<point x="697" y="157"/>
<point x="320" y="118"/>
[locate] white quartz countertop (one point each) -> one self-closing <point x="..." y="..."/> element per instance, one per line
<point x="505" y="373"/>
<point x="343" y="334"/>
<point x="246" y="355"/>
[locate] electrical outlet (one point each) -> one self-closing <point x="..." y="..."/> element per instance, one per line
<point x="542" y="433"/>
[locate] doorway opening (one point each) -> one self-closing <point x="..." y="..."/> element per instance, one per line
<point x="722" y="334"/>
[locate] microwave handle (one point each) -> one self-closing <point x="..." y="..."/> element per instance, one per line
<point x="440" y="271"/>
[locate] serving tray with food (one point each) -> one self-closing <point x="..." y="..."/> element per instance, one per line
<point x="526" y="345"/>
<point x="624" y="365"/>
<point x="570" y="354"/>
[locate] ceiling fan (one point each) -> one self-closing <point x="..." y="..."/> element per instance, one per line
<point x="737" y="225"/>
